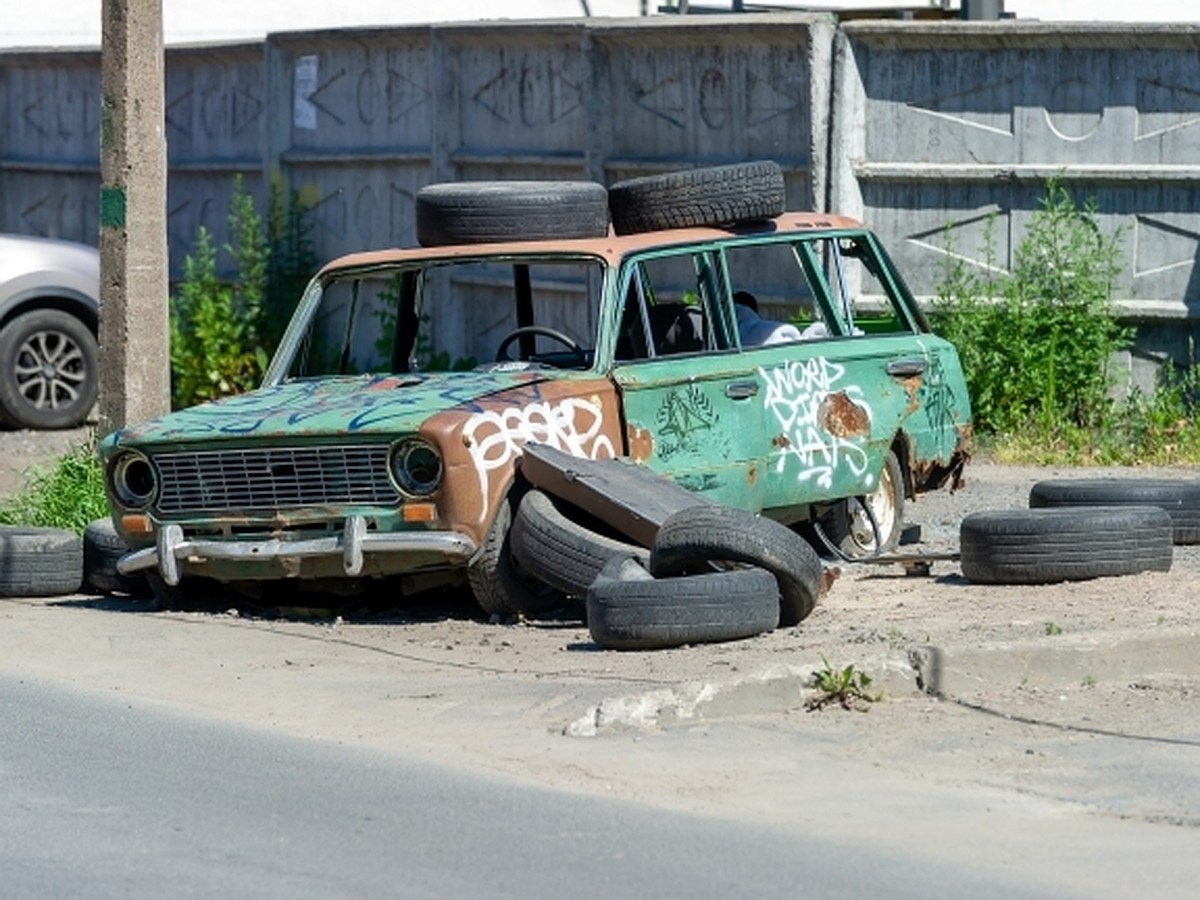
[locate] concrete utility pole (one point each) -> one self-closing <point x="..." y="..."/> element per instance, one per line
<point x="135" y="370"/>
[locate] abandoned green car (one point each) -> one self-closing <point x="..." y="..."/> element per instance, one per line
<point x="778" y="365"/>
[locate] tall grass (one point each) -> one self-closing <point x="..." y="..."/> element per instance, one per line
<point x="1037" y="344"/>
<point x="69" y="494"/>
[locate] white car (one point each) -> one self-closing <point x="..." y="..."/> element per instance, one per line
<point x="49" y="312"/>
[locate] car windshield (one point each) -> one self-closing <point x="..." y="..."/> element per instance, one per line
<point x="447" y="315"/>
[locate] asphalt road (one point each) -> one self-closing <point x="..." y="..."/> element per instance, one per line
<point x="103" y="799"/>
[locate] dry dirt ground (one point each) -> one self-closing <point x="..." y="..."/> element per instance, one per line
<point x="1083" y="697"/>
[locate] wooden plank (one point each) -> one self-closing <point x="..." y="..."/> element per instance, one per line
<point x="628" y="497"/>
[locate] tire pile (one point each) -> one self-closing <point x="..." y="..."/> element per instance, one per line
<point x="713" y="573"/>
<point x="1077" y="529"/>
<point x="51" y="562"/>
<point x="478" y="212"/>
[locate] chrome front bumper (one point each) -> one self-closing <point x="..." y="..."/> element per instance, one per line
<point x="351" y="545"/>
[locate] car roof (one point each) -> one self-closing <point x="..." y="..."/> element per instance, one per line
<point x="611" y="247"/>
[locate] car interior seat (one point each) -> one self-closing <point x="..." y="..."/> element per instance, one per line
<point x="676" y="328"/>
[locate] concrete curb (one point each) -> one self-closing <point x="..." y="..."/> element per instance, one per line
<point x="774" y="690"/>
<point x="1056" y="661"/>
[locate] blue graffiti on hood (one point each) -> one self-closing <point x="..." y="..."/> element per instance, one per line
<point x="365" y="401"/>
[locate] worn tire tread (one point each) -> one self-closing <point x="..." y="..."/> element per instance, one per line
<point x="1179" y="497"/>
<point x="693" y="538"/>
<point x="1043" y="546"/>
<point x="714" y="195"/>
<point x="475" y="212"/>
<point x="553" y="546"/>
<point x="645" y="613"/>
<point x="39" y="562"/>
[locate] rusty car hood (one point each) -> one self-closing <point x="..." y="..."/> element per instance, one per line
<point x="330" y="407"/>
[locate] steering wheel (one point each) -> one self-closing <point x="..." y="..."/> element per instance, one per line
<point x="517" y="333"/>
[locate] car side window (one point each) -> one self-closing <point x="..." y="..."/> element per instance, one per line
<point x="670" y="307"/>
<point x="776" y="298"/>
<point x="866" y="292"/>
<point x="812" y="288"/>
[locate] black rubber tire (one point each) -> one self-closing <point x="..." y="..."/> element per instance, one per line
<point x="716" y="195"/>
<point x="550" y="543"/>
<point x="34" y="343"/>
<point x="501" y="585"/>
<point x="692" y="539"/>
<point x="1180" y="498"/>
<point x="847" y="526"/>
<point x="477" y="212"/>
<point x="39" y="562"/>
<point x="102" y="548"/>
<point x="1043" y="546"/>
<point x="627" y="609"/>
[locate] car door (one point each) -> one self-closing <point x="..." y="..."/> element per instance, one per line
<point x="854" y="377"/>
<point x="692" y="403"/>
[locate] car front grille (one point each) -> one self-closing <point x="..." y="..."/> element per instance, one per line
<point x="275" y="479"/>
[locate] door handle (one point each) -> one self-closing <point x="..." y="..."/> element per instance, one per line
<point x="904" y="368"/>
<point x="740" y="390"/>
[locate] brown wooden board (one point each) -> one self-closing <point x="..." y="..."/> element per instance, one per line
<point x="628" y="497"/>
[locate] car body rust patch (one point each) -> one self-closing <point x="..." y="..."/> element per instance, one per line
<point x="641" y="443"/>
<point x="912" y="386"/>
<point x="842" y="417"/>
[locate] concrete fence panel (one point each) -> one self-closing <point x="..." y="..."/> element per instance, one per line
<point x="671" y="94"/>
<point x="945" y="134"/>
<point x="50" y="144"/>
<point x="352" y="126"/>
<point x="216" y="127"/>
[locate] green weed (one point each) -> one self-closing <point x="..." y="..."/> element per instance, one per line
<point x="223" y="332"/>
<point x="1037" y="343"/>
<point x="292" y="259"/>
<point x="848" y="687"/>
<point x="1053" y="628"/>
<point x="424" y="357"/>
<point x="68" y="495"/>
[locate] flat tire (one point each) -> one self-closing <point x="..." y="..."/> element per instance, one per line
<point x="102" y="549"/>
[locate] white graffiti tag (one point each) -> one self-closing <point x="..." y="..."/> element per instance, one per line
<point x="572" y="425"/>
<point x="795" y="395"/>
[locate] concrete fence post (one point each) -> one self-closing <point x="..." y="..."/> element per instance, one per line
<point x="134" y="350"/>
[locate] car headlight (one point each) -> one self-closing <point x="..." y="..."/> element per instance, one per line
<point x="417" y="467"/>
<point x="133" y="480"/>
